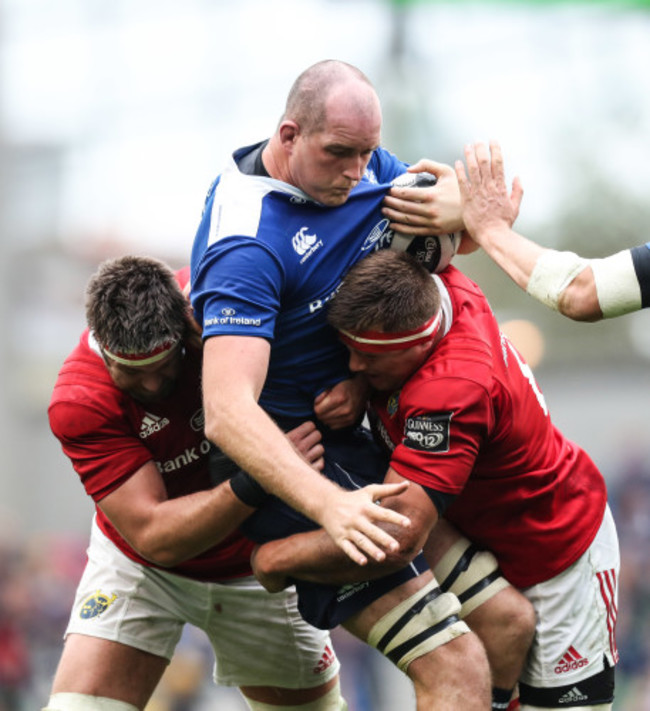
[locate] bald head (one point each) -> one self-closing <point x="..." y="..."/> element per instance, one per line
<point x="326" y="86"/>
<point x="330" y="128"/>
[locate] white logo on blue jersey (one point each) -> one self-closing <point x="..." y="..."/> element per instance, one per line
<point x="374" y="239"/>
<point x="370" y="176"/>
<point x="305" y="244"/>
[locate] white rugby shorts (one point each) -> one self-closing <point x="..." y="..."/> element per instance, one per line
<point x="258" y="638"/>
<point x="576" y="616"/>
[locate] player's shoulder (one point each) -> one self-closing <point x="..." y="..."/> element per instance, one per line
<point x="453" y="278"/>
<point x="471" y="311"/>
<point x="84" y="380"/>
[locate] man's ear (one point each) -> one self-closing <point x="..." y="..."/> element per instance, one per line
<point x="288" y="131"/>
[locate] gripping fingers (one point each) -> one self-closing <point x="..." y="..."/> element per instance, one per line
<point x="353" y="552"/>
<point x="409" y="202"/>
<point x="383" y="491"/>
<point x="372" y="542"/>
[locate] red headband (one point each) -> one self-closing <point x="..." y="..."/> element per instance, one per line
<point x="138" y="359"/>
<point x="378" y="341"/>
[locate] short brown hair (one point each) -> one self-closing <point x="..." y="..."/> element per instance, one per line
<point x="387" y="291"/>
<point x="135" y="305"/>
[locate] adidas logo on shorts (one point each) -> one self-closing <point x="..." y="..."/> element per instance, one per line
<point x="572" y="696"/>
<point x="571" y="660"/>
<point x="326" y="660"/>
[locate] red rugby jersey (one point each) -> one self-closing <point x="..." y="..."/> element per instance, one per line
<point x="108" y="436"/>
<point x="473" y="422"/>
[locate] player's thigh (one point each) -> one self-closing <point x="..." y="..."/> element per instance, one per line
<point x="260" y="639"/>
<point x="464" y="569"/>
<point x="417" y="627"/>
<point x="103" y="668"/>
<point x="409" y="621"/>
<point x="122" y="601"/>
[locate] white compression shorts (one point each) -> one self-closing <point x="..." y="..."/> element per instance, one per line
<point x="259" y="638"/>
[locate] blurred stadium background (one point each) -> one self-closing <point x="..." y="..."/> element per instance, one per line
<point x="114" y="118"/>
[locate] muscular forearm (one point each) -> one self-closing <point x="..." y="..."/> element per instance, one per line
<point x="234" y="371"/>
<point x="170" y="531"/>
<point x="514" y="253"/>
<point x="581" y="289"/>
<point x="249" y="436"/>
<point x="314" y="557"/>
<point x="561" y="280"/>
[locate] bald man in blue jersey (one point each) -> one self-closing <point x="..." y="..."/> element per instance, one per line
<point x="269" y="253"/>
<point x="281" y="226"/>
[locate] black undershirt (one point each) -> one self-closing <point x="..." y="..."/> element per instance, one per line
<point x="251" y="163"/>
<point x="641" y="261"/>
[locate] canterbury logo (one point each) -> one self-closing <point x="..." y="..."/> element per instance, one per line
<point x="305" y="244"/>
<point x="152" y="424"/>
<point x="571" y="660"/>
<point x="327" y="659"/>
<point x="302" y="241"/>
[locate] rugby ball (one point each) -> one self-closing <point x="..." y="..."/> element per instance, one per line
<point x="434" y="252"/>
<point x="414" y="180"/>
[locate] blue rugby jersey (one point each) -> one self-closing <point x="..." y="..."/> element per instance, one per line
<point x="267" y="259"/>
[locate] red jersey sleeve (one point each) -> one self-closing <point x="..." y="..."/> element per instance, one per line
<point x="444" y="422"/>
<point x="102" y="447"/>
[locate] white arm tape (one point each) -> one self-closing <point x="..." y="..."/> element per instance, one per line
<point x="553" y="272"/>
<point x="617" y="284"/>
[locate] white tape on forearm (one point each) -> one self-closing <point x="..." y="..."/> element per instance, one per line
<point x="617" y="284"/>
<point x="553" y="272"/>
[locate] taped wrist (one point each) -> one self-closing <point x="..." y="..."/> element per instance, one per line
<point x="553" y="272"/>
<point x="247" y="490"/>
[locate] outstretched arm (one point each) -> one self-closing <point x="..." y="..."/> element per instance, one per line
<point x="234" y="369"/>
<point x="169" y="531"/>
<point x="581" y="289"/>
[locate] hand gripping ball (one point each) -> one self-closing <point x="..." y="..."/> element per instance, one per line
<point x="435" y="252"/>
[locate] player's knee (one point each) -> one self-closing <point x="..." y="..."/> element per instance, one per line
<point x="84" y="702"/>
<point x="520" y="616"/>
<point x="508" y="614"/>
<point x="418" y="625"/>
<point x="330" y="701"/>
<point x="460" y="664"/>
